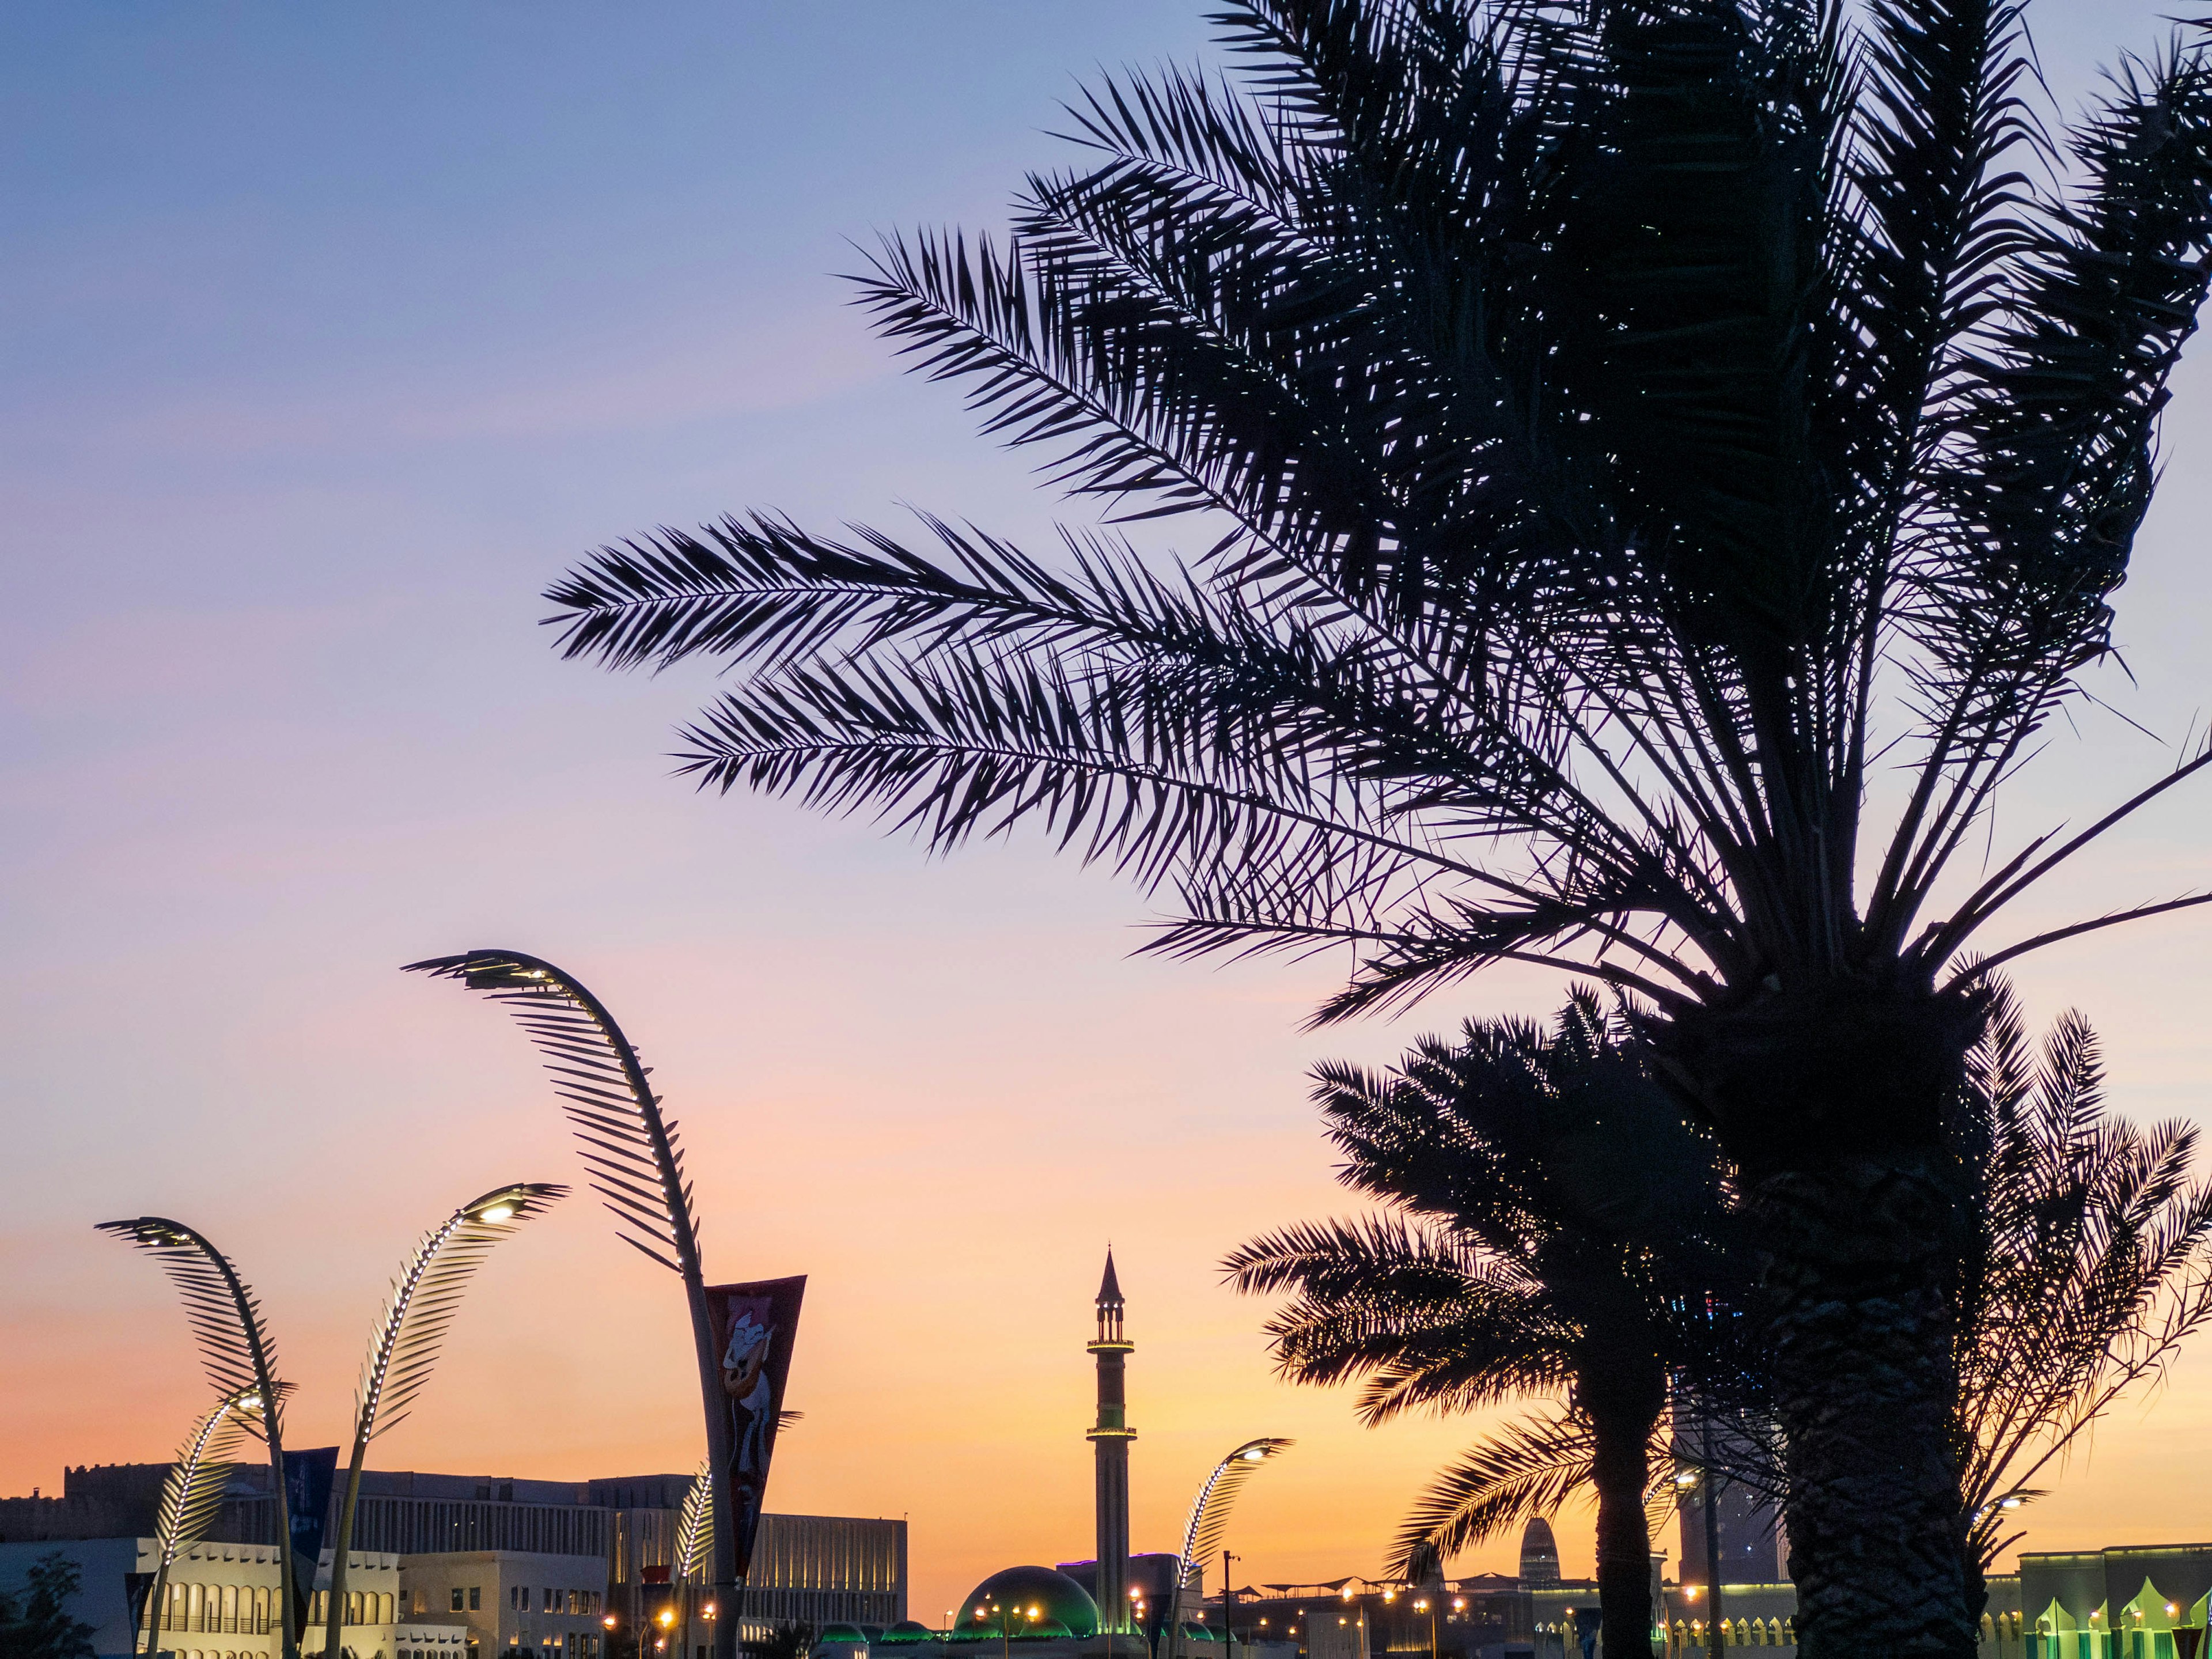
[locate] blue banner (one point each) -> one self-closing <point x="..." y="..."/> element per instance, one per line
<point x="308" y="1477"/>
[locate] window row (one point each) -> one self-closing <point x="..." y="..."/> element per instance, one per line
<point x="362" y="1607"/>
<point x="553" y="1601"/>
<point x="236" y="1609"/>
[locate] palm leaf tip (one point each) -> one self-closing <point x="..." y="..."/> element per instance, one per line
<point x="636" y="1166"/>
<point x="1209" y="1513"/>
<point x="193" y="1489"/>
<point x="426" y="1295"/>
<point x="222" y="1310"/>
<point x="695" y="1526"/>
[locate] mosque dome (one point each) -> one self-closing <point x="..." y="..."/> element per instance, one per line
<point x="1053" y="1597"/>
<point x="909" y="1629"/>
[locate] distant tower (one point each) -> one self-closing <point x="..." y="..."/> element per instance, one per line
<point x="1540" y="1555"/>
<point x="1110" y="1436"/>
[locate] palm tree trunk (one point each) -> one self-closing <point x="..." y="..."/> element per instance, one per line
<point x="1621" y="1425"/>
<point x="1860" y="1347"/>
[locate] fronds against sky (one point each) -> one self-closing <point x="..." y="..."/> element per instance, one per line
<point x="1610" y="428"/>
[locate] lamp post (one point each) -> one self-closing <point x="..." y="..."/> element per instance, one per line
<point x="1007" y="1617"/>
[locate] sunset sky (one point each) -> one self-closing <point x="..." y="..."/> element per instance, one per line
<point x="331" y="335"/>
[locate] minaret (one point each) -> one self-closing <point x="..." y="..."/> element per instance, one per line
<point x="1110" y="1438"/>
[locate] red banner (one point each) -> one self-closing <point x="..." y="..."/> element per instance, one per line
<point x="753" y="1325"/>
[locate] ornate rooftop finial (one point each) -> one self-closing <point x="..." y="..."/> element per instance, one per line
<point x="1110" y="1288"/>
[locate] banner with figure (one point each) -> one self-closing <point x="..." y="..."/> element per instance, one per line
<point x="753" y="1325"/>
<point x="308" y="1478"/>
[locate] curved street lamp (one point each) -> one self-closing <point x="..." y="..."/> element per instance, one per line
<point x="1209" y="1519"/>
<point x="240" y="1359"/>
<point x="404" y="1348"/>
<point x="192" y="1494"/>
<point x="637" y="1167"/>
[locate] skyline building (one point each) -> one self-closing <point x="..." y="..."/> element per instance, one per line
<point x="1540" y="1555"/>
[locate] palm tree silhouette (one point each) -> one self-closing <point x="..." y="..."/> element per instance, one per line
<point x="1555" y="1228"/>
<point x="1612" y="426"/>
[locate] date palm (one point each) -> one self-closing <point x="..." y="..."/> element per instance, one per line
<point x="2092" y="1263"/>
<point x="2087" y="1264"/>
<point x="1554" y="1228"/>
<point x="1611" y="426"/>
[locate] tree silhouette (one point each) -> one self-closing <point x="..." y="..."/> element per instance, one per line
<point x="1554" y="1228"/>
<point x="1613" y="426"/>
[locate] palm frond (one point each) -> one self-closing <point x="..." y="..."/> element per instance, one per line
<point x="1209" y="1511"/>
<point x="636" y="1166"/>
<point x="2092" y="1263"/>
<point x="426" y="1295"/>
<point x="1428" y="1321"/>
<point x="1529" y="1468"/>
<point x="192" y="1490"/>
<point x="236" y="1350"/>
<point x="694" y="1528"/>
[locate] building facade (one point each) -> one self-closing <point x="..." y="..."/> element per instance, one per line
<point x="539" y="1566"/>
<point x="2124" y="1603"/>
<point x="513" y="1604"/>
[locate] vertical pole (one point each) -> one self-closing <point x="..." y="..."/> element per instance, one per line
<point x="1711" y="1486"/>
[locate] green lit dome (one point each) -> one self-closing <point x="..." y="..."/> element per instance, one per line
<point x="1013" y="1595"/>
<point x="909" y="1630"/>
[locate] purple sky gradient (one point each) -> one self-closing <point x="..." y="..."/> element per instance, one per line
<point x="331" y="336"/>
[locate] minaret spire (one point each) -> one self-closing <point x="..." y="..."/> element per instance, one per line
<point x="1109" y="1439"/>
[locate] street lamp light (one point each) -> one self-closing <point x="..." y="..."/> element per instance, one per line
<point x="1007" y="1617"/>
<point x="1209" y="1515"/>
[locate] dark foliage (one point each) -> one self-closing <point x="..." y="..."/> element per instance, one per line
<point x="35" y="1623"/>
<point x="1554" y="1227"/>
<point x="1616" y="427"/>
<point x="2092" y="1265"/>
<point x="790" y="1639"/>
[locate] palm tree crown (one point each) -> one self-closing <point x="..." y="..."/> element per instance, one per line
<point x="1593" y="405"/>
<point x="1555" y="1228"/>
<point x="1613" y="425"/>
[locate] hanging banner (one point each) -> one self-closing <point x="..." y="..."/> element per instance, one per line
<point x="753" y="1325"/>
<point x="308" y="1477"/>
